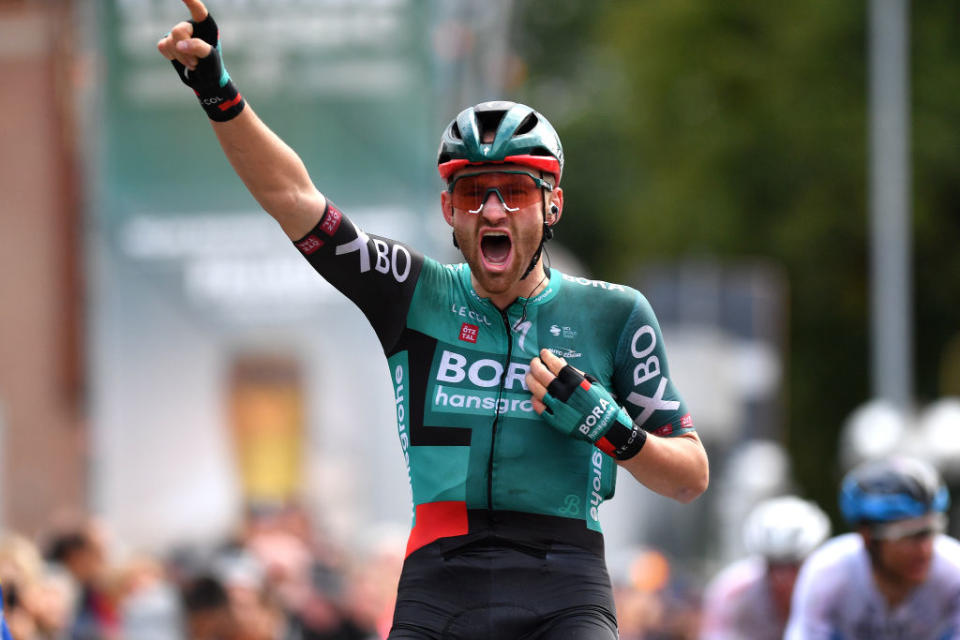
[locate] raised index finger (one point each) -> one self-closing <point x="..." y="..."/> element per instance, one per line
<point x="198" y="12"/>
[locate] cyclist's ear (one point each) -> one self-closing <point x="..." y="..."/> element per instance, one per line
<point x="555" y="208"/>
<point x="446" y="204"/>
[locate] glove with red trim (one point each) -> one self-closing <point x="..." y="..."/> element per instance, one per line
<point x="217" y="93"/>
<point x="579" y="406"/>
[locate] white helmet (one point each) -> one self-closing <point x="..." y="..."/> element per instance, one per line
<point x="785" y="529"/>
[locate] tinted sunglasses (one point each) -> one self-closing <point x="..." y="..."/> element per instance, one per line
<point x="516" y="189"/>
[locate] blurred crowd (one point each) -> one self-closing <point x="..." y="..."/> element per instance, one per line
<point x="275" y="579"/>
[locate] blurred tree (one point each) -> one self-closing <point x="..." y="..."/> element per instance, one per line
<point x="738" y="129"/>
<point x="936" y="156"/>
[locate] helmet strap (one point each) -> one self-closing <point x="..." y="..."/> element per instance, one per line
<point x="536" y="256"/>
<point x="546" y="234"/>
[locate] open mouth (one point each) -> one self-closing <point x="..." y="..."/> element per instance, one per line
<point x="495" y="248"/>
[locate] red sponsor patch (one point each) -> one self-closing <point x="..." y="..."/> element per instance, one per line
<point x="309" y="244"/>
<point x="468" y="332"/>
<point x="665" y="430"/>
<point x="686" y="422"/>
<point x="331" y="221"/>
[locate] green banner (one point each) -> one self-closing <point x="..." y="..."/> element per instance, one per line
<point x="346" y="84"/>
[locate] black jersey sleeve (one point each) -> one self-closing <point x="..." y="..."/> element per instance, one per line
<point x="378" y="274"/>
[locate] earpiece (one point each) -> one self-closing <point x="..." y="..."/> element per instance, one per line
<point x="548" y="226"/>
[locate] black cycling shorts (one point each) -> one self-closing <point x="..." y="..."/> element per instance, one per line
<point x="497" y="589"/>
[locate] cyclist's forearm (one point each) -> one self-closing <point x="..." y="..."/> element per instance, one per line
<point x="673" y="467"/>
<point x="273" y="173"/>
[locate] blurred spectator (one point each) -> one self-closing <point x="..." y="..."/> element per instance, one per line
<point x="207" y="609"/>
<point x="371" y="590"/>
<point x="640" y="607"/>
<point x="19" y="621"/>
<point x="277" y="580"/>
<point x="655" y="600"/>
<point x="81" y="551"/>
<point x="148" y="603"/>
<point x="50" y="601"/>
<point x="751" y="598"/>
<point x="21" y="568"/>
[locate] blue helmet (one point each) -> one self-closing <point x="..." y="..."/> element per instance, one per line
<point x="891" y="489"/>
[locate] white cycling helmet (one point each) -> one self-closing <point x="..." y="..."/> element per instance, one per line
<point x="785" y="529"/>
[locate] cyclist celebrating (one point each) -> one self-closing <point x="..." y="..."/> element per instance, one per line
<point x="510" y="450"/>
<point x="897" y="577"/>
<point x="751" y="597"/>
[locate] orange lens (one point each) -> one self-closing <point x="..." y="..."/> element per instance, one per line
<point x="516" y="190"/>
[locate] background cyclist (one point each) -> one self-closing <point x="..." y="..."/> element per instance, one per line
<point x="897" y="576"/>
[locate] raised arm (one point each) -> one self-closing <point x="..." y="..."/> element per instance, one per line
<point x="273" y="173"/>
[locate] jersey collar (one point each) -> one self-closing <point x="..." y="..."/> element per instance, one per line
<point x="555" y="278"/>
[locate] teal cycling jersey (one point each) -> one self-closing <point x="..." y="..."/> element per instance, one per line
<point x="479" y="457"/>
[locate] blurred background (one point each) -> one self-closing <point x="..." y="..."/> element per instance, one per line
<point x="183" y="399"/>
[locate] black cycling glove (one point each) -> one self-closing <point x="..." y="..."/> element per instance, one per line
<point x="210" y="81"/>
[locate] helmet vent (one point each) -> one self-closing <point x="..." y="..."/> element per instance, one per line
<point x="527" y="125"/>
<point x="489" y="121"/>
<point x="455" y="131"/>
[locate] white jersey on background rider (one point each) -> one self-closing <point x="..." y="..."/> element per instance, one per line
<point x="836" y="597"/>
<point x="737" y="604"/>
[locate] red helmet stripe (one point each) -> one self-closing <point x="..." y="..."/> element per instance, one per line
<point x="448" y="168"/>
<point x="543" y="163"/>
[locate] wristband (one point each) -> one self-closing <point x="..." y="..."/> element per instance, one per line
<point x="623" y="441"/>
<point x="217" y="93"/>
<point x="580" y="407"/>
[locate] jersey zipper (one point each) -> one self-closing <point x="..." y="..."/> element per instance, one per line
<point x="496" y="415"/>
